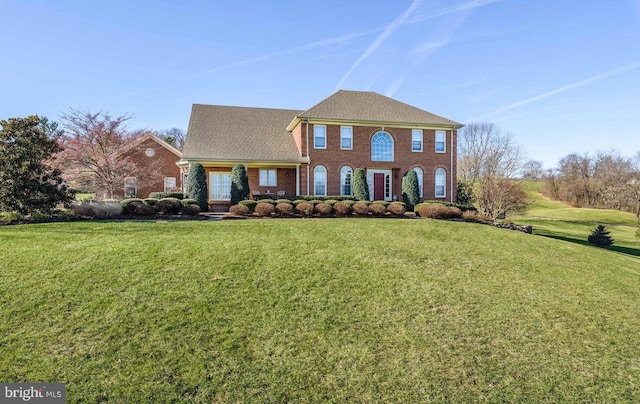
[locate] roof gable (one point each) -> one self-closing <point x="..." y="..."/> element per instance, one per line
<point x="366" y="106"/>
<point x="151" y="136"/>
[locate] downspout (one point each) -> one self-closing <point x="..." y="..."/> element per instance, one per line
<point x="298" y="179"/>
<point x="309" y="163"/>
<point x="451" y="174"/>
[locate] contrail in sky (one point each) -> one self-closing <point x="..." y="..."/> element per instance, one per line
<point x="390" y="29"/>
<point x="563" y="89"/>
<point x="297" y="49"/>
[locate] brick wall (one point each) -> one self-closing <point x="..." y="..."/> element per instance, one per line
<point x="162" y="164"/>
<point x="333" y="158"/>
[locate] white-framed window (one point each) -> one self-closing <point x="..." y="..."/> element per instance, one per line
<point x="320" y="181"/>
<point x="130" y="187"/>
<point x="169" y="184"/>
<point x="346" y="176"/>
<point x="416" y="140"/>
<point x="268" y="177"/>
<point x="420" y="175"/>
<point x="441" y="180"/>
<point x="441" y="141"/>
<point x="184" y="183"/>
<point x="346" y="137"/>
<point x="319" y="136"/>
<point x="382" y="147"/>
<point x="220" y="186"/>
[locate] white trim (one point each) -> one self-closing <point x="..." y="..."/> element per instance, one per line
<point x="350" y="138"/>
<point x="444" y="186"/>
<point x="388" y="174"/>
<point x="267" y="184"/>
<point x="421" y="133"/>
<point x="393" y="146"/>
<point x="444" y="141"/>
<point x="161" y="142"/>
<point x="314" y="136"/>
<point x="325" y="180"/>
<point x="219" y="173"/>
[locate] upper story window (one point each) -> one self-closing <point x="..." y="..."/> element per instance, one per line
<point x="319" y="136"/>
<point x="345" y="180"/>
<point x="416" y="140"/>
<point x="382" y="147"/>
<point x="441" y="137"/>
<point x="346" y="137"/>
<point x="441" y="180"/>
<point x="268" y="177"/>
<point x="320" y="180"/>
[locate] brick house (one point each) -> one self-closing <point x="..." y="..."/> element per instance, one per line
<point x="158" y="158"/>
<point x="314" y="152"/>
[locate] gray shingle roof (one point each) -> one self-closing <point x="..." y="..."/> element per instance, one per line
<point x="372" y="107"/>
<point x="240" y="133"/>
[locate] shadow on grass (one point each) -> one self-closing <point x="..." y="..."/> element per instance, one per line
<point x="620" y="249"/>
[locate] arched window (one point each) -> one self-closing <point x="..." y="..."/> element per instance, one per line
<point x="418" y="171"/>
<point x="346" y="175"/>
<point x="441" y="180"/>
<point x="382" y="147"/>
<point x="320" y="180"/>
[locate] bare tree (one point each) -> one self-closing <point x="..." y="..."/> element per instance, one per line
<point x="532" y="170"/>
<point x="174" y="136"/>
<point x="483" y="151"/>
<point x="488" y="162"/>
<point x="99" y="152"/>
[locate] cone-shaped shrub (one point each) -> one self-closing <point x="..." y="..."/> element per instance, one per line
<point x="410" y="189"/>
<point x="600" y="237"/>
<point x="197" y="186"/>
<point x="360" y="186"/>
<point x="239" y="184"/>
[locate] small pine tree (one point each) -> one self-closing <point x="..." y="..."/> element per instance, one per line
<point x="239" y="184"/>
<point x="410" y="190"/>
<point x="360" y="185"/>
<point x="197" y="186"/>
<point x="600" y="237"/>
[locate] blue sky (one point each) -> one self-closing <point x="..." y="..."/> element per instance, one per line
<point x="561" y="76"/>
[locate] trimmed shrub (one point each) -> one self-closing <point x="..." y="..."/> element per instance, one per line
<point x="342" y="208"/>
<point x="98" y="210"/>
<point x="396" y="209"/>
<point x="240" y="210"/>
<point x="284" y="209"/>
<point x="189" y="201"/>
<point x="265" y="209"/>
<point x="330" y="202"/>
<point x="350" y="202"/>
<point x="439" y="212"/>
<point x="360" y="185"/>
<point x="267" y="200"/>
<point x="128" y="205"/>
<point x="168" y="206"/>
<point x="251" y="205"/>
<point x="162" y="195"/>
<point x="197" y="186"/>
<point x="410" y="189"/>
<point x="191" y="210"/>
<point x="150" y="201"/>
<point x="462" y="207"/>
<point x="282" y="201"/>
<point x="39" y="216"/>
<point x="323" y="209"/>
<point x="474" y="216"/>
<point x="314" y="202"/>
<point x="360" y="208"/>
<point x="377" y="209"/>
<point x="239" y="184"/>
<point x="383" y="203"/>
<point x="304" y="208"/>
<point x="145" y="210"/>
<point x="298" y="201"/>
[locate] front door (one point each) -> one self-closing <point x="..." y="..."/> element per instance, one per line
<point x="378" y="187"/>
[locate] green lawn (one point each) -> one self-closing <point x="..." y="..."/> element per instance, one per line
<point x="308" y="310"/>
<point x="557" y="220"/>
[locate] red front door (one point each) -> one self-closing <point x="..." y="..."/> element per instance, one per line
<point x="378" y="186"/>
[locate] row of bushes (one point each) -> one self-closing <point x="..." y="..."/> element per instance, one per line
<point x="321" y="208"/>
<point x="138" y="207"/>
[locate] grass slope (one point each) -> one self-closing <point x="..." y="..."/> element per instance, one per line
<point x="316" y="310"/>
<point x="563" y="222"/>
